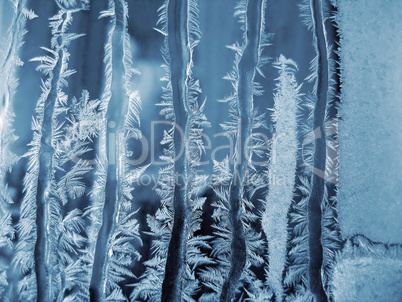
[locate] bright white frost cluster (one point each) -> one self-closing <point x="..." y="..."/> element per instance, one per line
<point x="281" y="170"/>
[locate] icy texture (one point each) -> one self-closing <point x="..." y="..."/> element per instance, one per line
<point x="98" y="205"/>
<point x="282" y="171"/>
<point x="370" y="130"/>
<point x="359" y="280"/>
<point x="368" y="271"/>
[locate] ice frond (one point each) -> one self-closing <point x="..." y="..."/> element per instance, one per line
<point x="7" y="231"/>
<point x="241" y="12"/>
<point x="29" y="14"/>
<point x="73" y="5"/>
<point x="193" y="24"/>
<point x="296" y="273"/>
<point x="71" y="184"/>
<point x="306" y="14"/>
<point x="26" y="227"/>
<point x="116" y="295"/>
<point x="132" y="120"/>
<point x="331" y="237"/>
<point x="109" y="13"/>
<point x="9" y="64"/>
<point x="121" y="252"/>
<point x="85" y="117"/>
<point x="47" y="63"/>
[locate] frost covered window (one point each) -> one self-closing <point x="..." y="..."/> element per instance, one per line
<point x="200" y="150"/>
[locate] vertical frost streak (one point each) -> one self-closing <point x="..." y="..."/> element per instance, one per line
<point x="247" y="68"/>
<point x="178" y="44"/>
<point x="44" y="194"/>
<point x="117" y="102"/>
<point x="282" y="164"/>
<point x="318" y="183"/>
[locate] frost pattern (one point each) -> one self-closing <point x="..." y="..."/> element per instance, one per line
<point x="176" y="249"/>
<point x="77" y="223"/>
<point x="10" y="61"/>
<point x="281" y="171"/>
